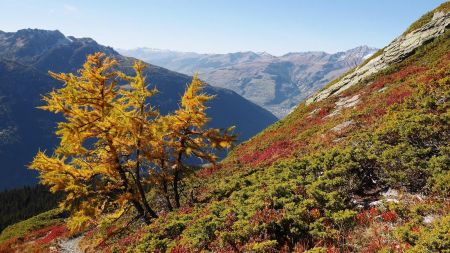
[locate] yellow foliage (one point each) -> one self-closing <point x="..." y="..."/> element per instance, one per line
<point x="112" y="140"/>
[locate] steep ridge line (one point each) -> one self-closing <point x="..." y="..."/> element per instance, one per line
<point x="395" y="52"/>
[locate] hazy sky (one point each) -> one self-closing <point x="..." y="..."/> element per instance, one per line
<point x="221" y="26"/>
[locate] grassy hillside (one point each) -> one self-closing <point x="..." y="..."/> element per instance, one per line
<point x="309" y="181"/>
<point x="36" y="234"/>
<point x="365" y="171"/>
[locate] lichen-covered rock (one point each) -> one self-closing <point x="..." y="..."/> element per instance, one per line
<point x="343" y="103"/>
<point x="341" y="126"/>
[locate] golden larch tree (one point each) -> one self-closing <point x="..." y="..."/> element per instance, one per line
<point x="98" y="162"/>
<point x="114" y="145"/>
<point x="189" y="135"/>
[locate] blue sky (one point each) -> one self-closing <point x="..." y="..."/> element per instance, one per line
<point x="221" y="26"/>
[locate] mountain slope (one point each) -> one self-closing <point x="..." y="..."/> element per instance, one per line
<point x="24" y="128"/>
<point x="362" y="170"/>
<point x="366" y="85"/>
<point x="275" y="83"/>
<point x="366" y="169"/>
<point x="25" y="58"/>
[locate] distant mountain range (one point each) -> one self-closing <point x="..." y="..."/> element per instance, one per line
<point x="25" y="58"/>
<point x="277" y="83"/>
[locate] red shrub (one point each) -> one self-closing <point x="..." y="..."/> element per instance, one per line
<point x="407" y="72"/>
<point x="371" y="117"/>
<point x="54" y="232"/>
<point x="400" y="75"/>
<point x="279" y="149"/>
<point x="397" y="96"/>
<point x="315" y="213"/>
<point x="375" y="245"/>
<point x="8" y="245"/>
<point x="247" y="158"/>
<point x="389" y="216"/>
<point x="367" y="216"/>
<point x="227" y="245"/>
<point x="185" y="210"/>
<point x="130" y="239"/>
<point x="300" y="190"/>
<point x="229" y="220"/>
<point x="379" y="84"/>
<point x="266" y="215"/>
<point x="179" y="249"/>
<point x="207" y="172"/>
<point x="38" y="233"/>
<point x="415" y="229"/>
<point x="90" y="234"/>
<point x="324" y="111"/>
<point x="111" y="230"/>
<point x="332" y="249"/>
<point x="378" y="112"/>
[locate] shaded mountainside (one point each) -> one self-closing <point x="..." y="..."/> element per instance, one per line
<point x="25" y="58"/>
<point x="363" y="169"/>
<point x="23" y="128"/>
<point x="275" y="83"/>
<point x="23" y="203"/>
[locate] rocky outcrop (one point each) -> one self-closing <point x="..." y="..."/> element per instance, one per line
<point x="395" y="52"/>
<point x="344" y="103"/>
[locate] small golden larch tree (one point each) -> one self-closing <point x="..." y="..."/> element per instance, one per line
<point x="114" y="145"/>
<point x="189" y="135"/>
<point x="98" y="162"/>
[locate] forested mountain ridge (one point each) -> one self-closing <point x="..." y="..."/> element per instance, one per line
<point x="359" y="169"/>
<point x="25" y="58"/>
<point x="277" y="83"/>
<point x="23" y="203"/>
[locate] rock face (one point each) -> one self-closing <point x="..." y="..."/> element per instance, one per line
<point x="395" y="52"/>
<point x="276" y="83"/>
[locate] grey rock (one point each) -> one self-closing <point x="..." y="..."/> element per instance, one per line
<point x="429" y="219"/>
<point x="380" y="202"/>
<point x="343" y="103"/>
<point x="341" y="126"/>
<point x="390" y="193"/>
<point x="71" y="245"/>
<point x="313" y="112"/>
<point x="382" y="90"/>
